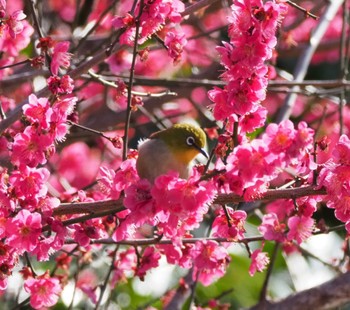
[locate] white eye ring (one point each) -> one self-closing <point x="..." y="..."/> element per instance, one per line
<point x="190" y="141"/>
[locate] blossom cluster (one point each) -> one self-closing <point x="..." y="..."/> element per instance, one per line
<point x="253" y="164"/>
<point x="15" y="33"/>
<point x="24" y="191"/>
<point x="252" y="38"/>
<point x="158" y="18"/>
<point x="175" y="207"/>
<point x="334" y="176"/>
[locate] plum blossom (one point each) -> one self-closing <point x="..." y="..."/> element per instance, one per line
<point x="234" y="229"/>
<point x="175" y="42"/>
<point x="335" y="177"/>
<point x="112" y="183"/>
<point x="271" y="228"/>
<point x="61" y="109"/>
<point x="125" y="262"/>
<point x="60" y="85"/>
<point x="13" y="45"/>
<point x="14" y="23"/>
<point x="150" y="259"/>
<point x="259" y="262"/>
<point x="23" y="231"/>
<point x="300" y="228"/>
<point x="44" y="291"/>
<point x="209" y="261"/>
<point x="60" y="57"/>
<point x="252" y="37"/>
<point x="38" y="111"/>
<point x="31" y="148"/>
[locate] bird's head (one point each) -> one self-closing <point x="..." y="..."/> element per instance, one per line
<point x="185" y="141"/>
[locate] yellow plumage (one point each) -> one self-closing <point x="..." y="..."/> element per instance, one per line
<point x="171" y="149"/>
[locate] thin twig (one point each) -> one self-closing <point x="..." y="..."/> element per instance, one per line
<point x="305" y="11"/>
<point x="35" y="18"/>
<point x="136" y="93"/>
<point x="104" y="286"/>
<point x="131" y="79"/>
<point x="197" y="6"/>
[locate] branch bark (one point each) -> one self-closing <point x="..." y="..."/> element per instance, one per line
<point x="330" y="295"/>
<point x="117" y="205"/>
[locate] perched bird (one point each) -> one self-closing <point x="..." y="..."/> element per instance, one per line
<point x="171" y="149"/>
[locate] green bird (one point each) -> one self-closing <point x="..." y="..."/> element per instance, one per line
<point x="172" y="149"/>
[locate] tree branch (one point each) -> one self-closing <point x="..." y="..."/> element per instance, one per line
<point x="117" y="205"/>
<point x="329" y="295"/>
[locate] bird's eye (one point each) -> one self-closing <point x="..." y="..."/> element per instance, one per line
<point x="190" y="141"/>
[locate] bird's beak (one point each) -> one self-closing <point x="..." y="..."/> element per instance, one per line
<point x="202" y="151"/>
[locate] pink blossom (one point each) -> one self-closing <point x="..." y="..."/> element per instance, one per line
<point x="29" y="183"/>
<point x="12" y="46"/>
<point x="8" y="260"/>
<point x="60" y="85"/>
<point x="307" y="206"/>
<point x="44" y="291"/>
<point x="31" y="148"/>
<point x="282" y="208"/>
<point x="120" y="61"/>
<point x="105" y="182"/>
<point x="279" y="137"/>
<point x="209" y="261"/>
<point x="90" y="229"/>
<point x="336" y="179"/>
<point x="138" y="198"/>
<point x="54" y="242"/>
<point x="125" y="262"/>
<point x="78" y="164"/>
<point x="38" y="111"/>
<point x="65" y="8"/>
<point x="3" y="5"/>
<point x="272" y="229"/>
<point x="113" y="183"/>
<point x="183" y="202"/>
<point x="58" y="123"/>
<point x="341" y="206"/>
<point x="300" y="228"/>
<point x="150" y="259"/>
<point x="126" y="175"/>
<point x="234" y="229"/>
<point x="23" y="231"/>
<point x="253" y="120"/>
<point x="259" y="262"/>
<point x="139" y="201"/>
<point x="87" y="282"/>
<point x="175" y="43"/>
<point x="341" y="152"/>
<point x="252" y="37"/>
<point x="14" y="23"/>
<point x="60" y="57"/>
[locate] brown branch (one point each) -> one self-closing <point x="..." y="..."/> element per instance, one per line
<point x="114" y="206"/>
<point x="89" y="207"/>
<point x="329" y="295"/>
<point x="306" y="12"/>
<point x="151" y="241"/>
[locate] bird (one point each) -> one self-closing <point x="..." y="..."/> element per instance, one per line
<point x="171" y="149"/>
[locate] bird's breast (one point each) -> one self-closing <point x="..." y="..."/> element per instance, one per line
<point x="155" y="158"/>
